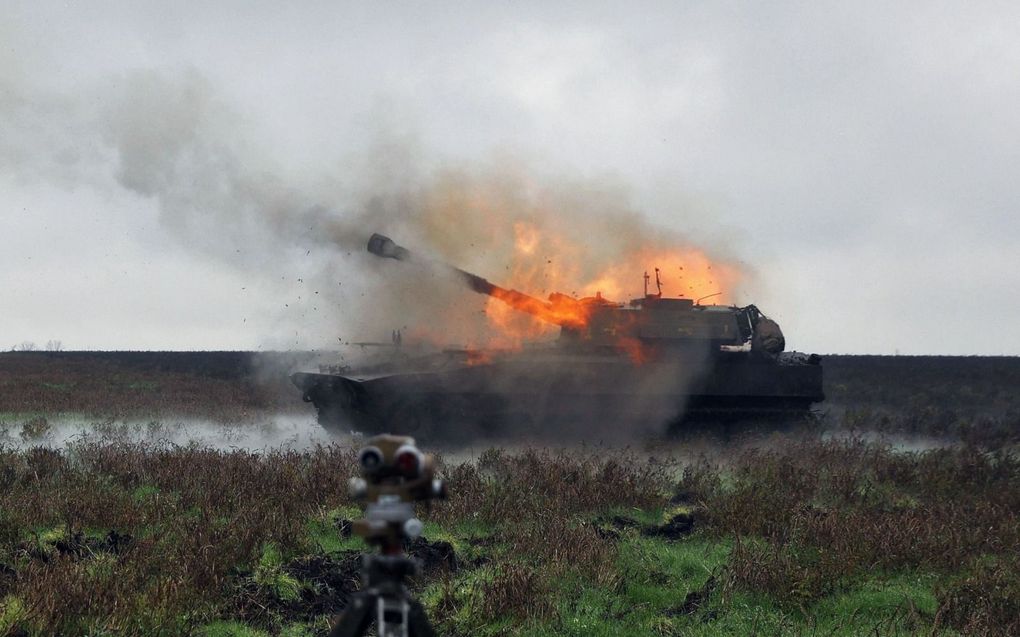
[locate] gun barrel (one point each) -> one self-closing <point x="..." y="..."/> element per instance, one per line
<point x="383" y="246"/>
<point x="560" y="313"/>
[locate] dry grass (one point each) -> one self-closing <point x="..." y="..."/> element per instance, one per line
<point x="136" y="539"/>
<point x="190" y="518"/>
<point x="814" y="518"/>
<point x="226" y="386"/>
<point x="160" y="540"/>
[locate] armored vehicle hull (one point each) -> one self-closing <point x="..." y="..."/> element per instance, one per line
<point x="529" y="391"/>
<point x="648" y="362"/>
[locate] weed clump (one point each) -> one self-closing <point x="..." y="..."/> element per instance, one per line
<point x="985" y="601"/>
<point x="816" y="518"/>
<point x="35" y="429"/>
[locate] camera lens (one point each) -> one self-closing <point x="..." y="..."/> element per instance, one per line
<point x="409" y="461"/>
<point x="371" y="459"/>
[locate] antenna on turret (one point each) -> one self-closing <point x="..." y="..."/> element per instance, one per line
<point x="646" y="283"/>
<point x="707" y="296"/>
<point x="658" y="283"/>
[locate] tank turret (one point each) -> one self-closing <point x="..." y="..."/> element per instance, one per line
<point x="654" y="321"/>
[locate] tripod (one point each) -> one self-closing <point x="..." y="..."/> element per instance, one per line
<point x="395" y="475"/>
<point x="386" y="600"/>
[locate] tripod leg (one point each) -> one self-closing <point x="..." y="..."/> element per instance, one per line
<point x="417" y="622"/>
<point x="357" y="617"/>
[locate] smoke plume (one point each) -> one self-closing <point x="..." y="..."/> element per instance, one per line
<point x="167" y="138"/>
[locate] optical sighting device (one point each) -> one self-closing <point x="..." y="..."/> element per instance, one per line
<point x="395" y="475"/>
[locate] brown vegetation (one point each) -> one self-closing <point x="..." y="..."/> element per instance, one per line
<point x="814" y="517"/>
<point x="225" y="386"/>
<point x="115" y="538"/>
<point x="193" y="517"/>
<point x="148" y="540"/>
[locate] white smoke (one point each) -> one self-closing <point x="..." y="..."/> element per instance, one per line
<point x="167" y="137"/>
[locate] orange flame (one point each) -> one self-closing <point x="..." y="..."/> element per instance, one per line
<point x="538" y="240"/>
<point x="687" y="273"/>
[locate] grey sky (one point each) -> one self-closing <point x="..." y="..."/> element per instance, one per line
<point x="861" y="158"/>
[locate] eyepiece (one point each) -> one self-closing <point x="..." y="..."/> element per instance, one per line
<point x="370" y="458"/>
<point x="409" y="461"/>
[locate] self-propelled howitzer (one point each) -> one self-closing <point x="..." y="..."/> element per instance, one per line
<point x="651" y="360"/>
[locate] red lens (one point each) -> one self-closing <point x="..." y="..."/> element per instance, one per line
<point x="409" y="463"/>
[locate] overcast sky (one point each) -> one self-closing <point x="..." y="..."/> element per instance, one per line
<point x="862" y="159"/>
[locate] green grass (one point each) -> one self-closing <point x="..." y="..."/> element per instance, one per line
<point x="469" y="537"/>
<point x="898" y="606"/>
<point x="641" y="516"/>
<point x="658" y="575"/>
<point x="270" y="575"/>
<point x="324" y="533"/>
<point x="242" y="541"/>
<point x="878" y="596"/>
<point x="231" y="629"/>
<point x="463" y="592"/>
<point x="144" y="492"/>
<point x="12" y="612"/>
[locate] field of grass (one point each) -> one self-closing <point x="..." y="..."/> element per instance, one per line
<point x="820" y="528"/>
